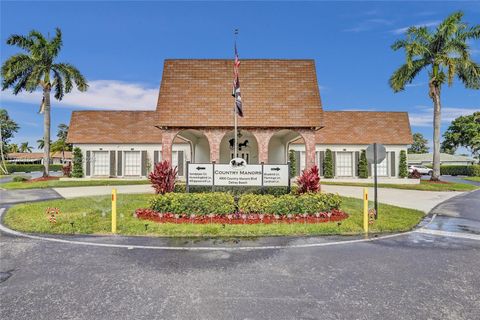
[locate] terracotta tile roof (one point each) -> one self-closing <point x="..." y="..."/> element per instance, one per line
<point x="364" y="127"/>
<point x="114" y="127"/>
<point x="275" y="93"/>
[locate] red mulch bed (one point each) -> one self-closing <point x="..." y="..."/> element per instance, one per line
<point x="321" y="217"/>
<point x="43" y="179"/>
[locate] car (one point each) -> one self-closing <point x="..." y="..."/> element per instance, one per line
<point x="421" y="169"/>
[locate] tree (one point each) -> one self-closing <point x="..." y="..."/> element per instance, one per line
<point x="38" y="69"/>
<point x="7" y="129"/>
<point x="12" y="147"/>
<point x="328" y="164"/>
<point x="77" y="171"/>
<point x="402" y="166"/>
<point x="446" y="54"/>
<point x="363" y="165"/>
<point x="293" y="163"/>
<point x="41" y="143"/>
<point x="464" y="131"/>
<point x="24" y="147"/>
<point x="419" y="145"/>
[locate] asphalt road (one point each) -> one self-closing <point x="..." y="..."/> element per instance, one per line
<point x="411" y="276"/>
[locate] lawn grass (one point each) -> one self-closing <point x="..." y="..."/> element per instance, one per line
<point x="476" y="179"/>
<point x="71" y="183"/>
<point x="91" y="215"/>
<point x="425" y="185"/>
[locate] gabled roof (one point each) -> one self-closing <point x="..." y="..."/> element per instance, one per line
<point x="114" y="127"/>
<point x="275" y="93"/>
<point x="364" y="127"/>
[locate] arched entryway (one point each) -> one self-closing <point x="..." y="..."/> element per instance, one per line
<point x="189" y="145"/>
<point x="247" y="147"/>
<point x="280" y="145"/>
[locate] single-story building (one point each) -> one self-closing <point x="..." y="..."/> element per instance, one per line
<point x="37" y="157"/>
<point x="445" y="159"/>
<point x="193" y="121"/>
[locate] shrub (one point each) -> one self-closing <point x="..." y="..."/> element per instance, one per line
<point x="309" y="181"/>
<point x="19" y="179"/>
<point x="328" y="164"/>
<point x="77" y="171"/>
<point x="414" y="175"/>
<point x="163" y="177"/>
<point x="31" y="167"/>
<point x="402" y="166"/>
<point x="471" y="170"/>
<point x="218" y="203"/>
<point x="180" y="187"/>
<point x="363" y="165"/>
<point x="309" y="203"/>
<point x="293" y="163"/>
<point x="67" y="169"/>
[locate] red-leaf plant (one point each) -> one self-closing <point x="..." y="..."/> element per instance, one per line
<point x="163" y="177"/>
<point x="309" y="181"/>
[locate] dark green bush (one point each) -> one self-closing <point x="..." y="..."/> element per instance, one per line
<point x="31" y="167"/>
<point x="328" y="164"/>
<point x="194" y="203"/>
<point x="77" y="171"/>
<point x="237" y="191"/>
<point x="289" y="204"/>
<point x="471" y="170"/>
<point x="19" y="179"/>
<point x="293" y="163"/>
<point x="363" y="165"/>
<point x="402" y="166"/>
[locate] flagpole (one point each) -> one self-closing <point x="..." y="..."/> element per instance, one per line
<point x="235" y="112"/>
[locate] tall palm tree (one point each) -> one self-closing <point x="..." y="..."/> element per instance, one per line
<point x="24" y="147"/>
<point x="12" y="148"/>
<point x="38" y="69"/>
<point x="445" y="53"/>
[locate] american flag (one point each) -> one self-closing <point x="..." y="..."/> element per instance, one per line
<point x="236" y="84"/>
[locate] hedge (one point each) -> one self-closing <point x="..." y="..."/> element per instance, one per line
<point x="309" y="203"/>
<point x="31" y="167"/>
<point x="218" y="203"/>
<point x="237" y="191"/>
<point x="472" y="170"/>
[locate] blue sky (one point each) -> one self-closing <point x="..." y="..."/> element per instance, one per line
<point x="120" y="48"/>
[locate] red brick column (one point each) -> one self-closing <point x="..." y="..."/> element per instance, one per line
<point x="263" y="138"/>
<point x="167" y="140"/>
<point x="309" y="138"/>
<point x="214" y="137"/>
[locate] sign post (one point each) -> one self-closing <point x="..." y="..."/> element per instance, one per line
<point x="114" y="210"/>
<point x="365" y="210"/>
<point x="376" y="153"/>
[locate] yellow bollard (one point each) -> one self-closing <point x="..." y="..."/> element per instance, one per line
<point x="114" y="210"/>
<point x="365" y="210"/>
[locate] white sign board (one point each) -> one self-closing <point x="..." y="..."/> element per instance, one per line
<point x="275" y="175"/>
<point x="200" y="174"/>
<point x="250" y="175"/>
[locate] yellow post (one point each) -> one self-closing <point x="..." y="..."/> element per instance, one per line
<point x="114" y="210"/>
<point x="365" y="210"/>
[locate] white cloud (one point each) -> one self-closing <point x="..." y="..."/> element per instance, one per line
<point x="418" y="84"/>
<point x="422" y="24"/>
<point x="101" y="94"/>
<point x="424" y="116"/>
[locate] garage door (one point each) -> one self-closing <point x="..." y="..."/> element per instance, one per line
<point x="344" y="164"/>
<point x="133" y="163"/>
<point x="101" y="163"/>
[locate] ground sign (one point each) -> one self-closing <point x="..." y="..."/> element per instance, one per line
<point x="260" y="175"/>
<point x="376" y="153"/>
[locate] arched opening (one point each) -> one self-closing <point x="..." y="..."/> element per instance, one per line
<point x="247" y="147"/>
<point x="280" y="145"/>
<point x="189" y="145"/>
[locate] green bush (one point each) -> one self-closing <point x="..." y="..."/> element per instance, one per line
<point x="19" y="179"/>
<point x="328" y="164"/>
<point x="77" y="171"/>
<point x="472" y="170"/>
<point x="402" y="166"/>
<point x="194" y="203"/>
<point x="289" y="204"/>
<point x="180" y="187"/>
<point x="363" y="165"/>
<point x="31" y="167"/>
<point x="293" y="164"/>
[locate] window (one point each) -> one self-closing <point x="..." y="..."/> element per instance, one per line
<point x="344" y="164"/>
<point x="132" y="163"/>
<point x="101" y="163"/>
<point x="382" y="168"/>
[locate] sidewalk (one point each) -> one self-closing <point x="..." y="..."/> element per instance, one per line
<point x="414" y="199"/>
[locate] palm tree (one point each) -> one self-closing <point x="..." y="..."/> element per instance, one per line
<point x="446" y="54"/>
<point x="41" y="143"/>
<point x="36" y="69"/>
<point x="12" y="148"/>
<point x="24" y="147"/>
